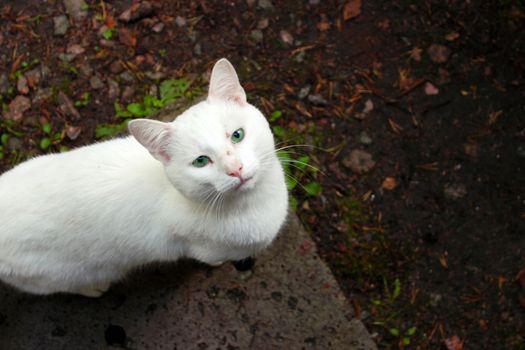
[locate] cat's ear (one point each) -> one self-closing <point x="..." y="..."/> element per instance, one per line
<point x="153" y="135"/>
<point x="224" y="83"/>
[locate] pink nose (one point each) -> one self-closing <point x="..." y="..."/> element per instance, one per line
<point x="236" y="172"/>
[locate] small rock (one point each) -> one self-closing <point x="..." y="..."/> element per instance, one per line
<point x="73" y="132"/>
<point x="265" y="4"/>
<point x="42" y="95"/>
<point x="430" y="89"/>
<point x="85" y="69"/>
<point x="438" y="53"/>
<point x="60" y="24"/>
<point x="107" y="43"/>
<point x="455" y="191"/>
<point x="157" y="28"/>
<point x="17" y="107"/>
<point x="368" y="107"/>
<point x="256" y="35"/>
<point x="435" y="299"/>
<point x="155" y="75"/>
<point x="300" y="57"/>
<point x="128" y="93"/>
<point x="180" y="21"/>
<point x="197" y="49"/>
<point x="304" y="91"/>
<point x="33" y="77"/>
<point x="113" y="89"/>
<point x="126" y="76"/>
<point x="77" y="9"/>
<point x="75" y="49"/>
<point x="521" y="151"/>
<point x="263" y="23"/>
<point x="137" y="11"/>
<point x="286" y="37"/>
<point x="317" y="100"/>
<point x="66" y="57"/>
<point x="116" y="67"/>
<point x="193" y="36"/>
<point x="4" y="83"/>
<point x="364" y="138"/>
<point x="359" y="161"/>
<point x="21" y="85"/>
<point x="66" y="106"/>
<point x="153" y="90"/>
<point x="45" y="71"/>
<point x="14" y="144"/>
<point x="96" y="83"/>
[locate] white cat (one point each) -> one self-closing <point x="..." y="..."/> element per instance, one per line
<point x="211" y="188"/>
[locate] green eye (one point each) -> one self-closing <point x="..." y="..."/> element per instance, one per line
<point x="238" y="135"/>
<point x="200" y="161"/>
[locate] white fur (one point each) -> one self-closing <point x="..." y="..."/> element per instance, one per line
<point x="77" y="221"/>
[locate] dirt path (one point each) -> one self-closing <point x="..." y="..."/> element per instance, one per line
<point x="416" y="108"/>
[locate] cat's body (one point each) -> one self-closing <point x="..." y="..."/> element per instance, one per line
<point x="77" y="221"/>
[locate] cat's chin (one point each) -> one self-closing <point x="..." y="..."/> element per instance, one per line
<point x="245" y="184"/>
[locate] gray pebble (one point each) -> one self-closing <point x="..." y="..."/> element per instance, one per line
<point x="61" y="25"/>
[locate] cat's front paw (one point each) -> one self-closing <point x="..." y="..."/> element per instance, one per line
<point x="95" y="291"/>
<point x="215" y="263"/>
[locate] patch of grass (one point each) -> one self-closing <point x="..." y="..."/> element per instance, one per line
<point x="170" y="91"/>
<point x="24" y="67"/>
<point x="50" y="138"/>
<point x="299" y="172"/>
<point x="84" y="100"/>
<point x="108" y="33"/>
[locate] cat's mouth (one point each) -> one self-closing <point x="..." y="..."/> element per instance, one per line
<point x="243" y="182"/>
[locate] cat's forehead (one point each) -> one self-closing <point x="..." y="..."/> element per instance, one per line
<point x="212" y="117"/>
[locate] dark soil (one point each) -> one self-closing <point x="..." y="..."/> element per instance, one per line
<point x="428" y="240"/>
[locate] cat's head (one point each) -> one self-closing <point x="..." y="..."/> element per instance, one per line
<point x="221" y="145"/>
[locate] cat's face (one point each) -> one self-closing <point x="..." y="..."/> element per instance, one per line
<point x="221" y="145"/>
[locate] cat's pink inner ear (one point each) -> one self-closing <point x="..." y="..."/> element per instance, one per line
<point x="154" y="136"/>
<point x="224" y="83"/>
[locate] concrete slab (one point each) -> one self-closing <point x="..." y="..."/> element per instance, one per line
<point x="289" y="299"/>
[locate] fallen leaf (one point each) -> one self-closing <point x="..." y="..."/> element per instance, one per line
<point x="389" y="183"/>
<point x="493" y="117"/>
<point x="110" y="21"/>
<point x="443" y="261"/>
<point x="126" y="37"/>
<point x="395" y="126"/>
<point x="454" y="343"/>
<point x="323" y="26"/>
<point x="431" y="89"/>
<point x="483" y="325"/>
<point x="415" y="54"/>
<point x="351" y="9"/>
<point x="405" y="80"/>
<point x="452" y="36"/>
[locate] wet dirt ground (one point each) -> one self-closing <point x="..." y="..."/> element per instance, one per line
<point x="415" y="108"/>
